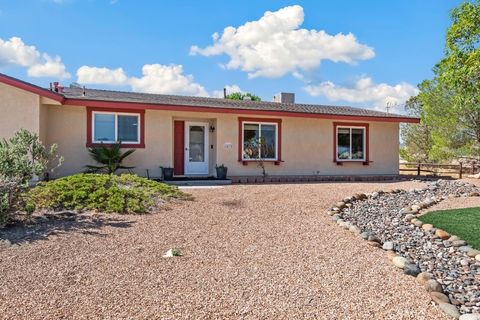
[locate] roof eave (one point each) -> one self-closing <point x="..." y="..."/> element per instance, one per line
<point x="171" y="107"/>
<point x="31" y="88"/>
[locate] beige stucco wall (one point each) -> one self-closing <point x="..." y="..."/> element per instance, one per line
<point x="307" y="149"/>
<point x="307" y="144"/>
<point x="20" y="110"/>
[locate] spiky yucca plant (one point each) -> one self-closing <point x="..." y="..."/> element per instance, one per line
<point x="110" y="157"/>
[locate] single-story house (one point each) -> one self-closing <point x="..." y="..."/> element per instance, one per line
<point x="194" y="134"/>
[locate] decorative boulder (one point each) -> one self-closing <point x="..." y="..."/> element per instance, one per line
<point x="399" y="262"/>
<point x="439" y="297"/>
<point x="427" y="227"/>
<point x="409" y="217"/>
<point x="387" y="245"/>
<point x="423" y="277"/>
<point x="433" y="286"/>
<point x="442" y="234"/>
<point x="458" y="243"/>
<point x="450" y="310"/>
<point x="340" y="205"/>
<point x="473" y="253"/>
<point x="418" y="223"/>
<point x="411" y="269"/>
<point x="471" y="316"/>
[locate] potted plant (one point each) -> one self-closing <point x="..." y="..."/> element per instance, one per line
<point x="167" y="173"/>
<point x="221" y="172"/>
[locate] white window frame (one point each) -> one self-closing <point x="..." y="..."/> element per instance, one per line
<point x="260" y="135"/>
<point x="116" y="114"/>
<point x="364" y="143"/>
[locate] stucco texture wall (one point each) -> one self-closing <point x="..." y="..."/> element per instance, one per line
<point x="20" y="110"/>
<point x="307" y="149"/>
<point x="307" y="144"/>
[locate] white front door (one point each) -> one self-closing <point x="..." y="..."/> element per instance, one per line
<point x="196" y="148"/>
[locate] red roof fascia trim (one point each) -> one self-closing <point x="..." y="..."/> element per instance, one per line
<point x="31" y="88"/>
<point x="143" y="106"/>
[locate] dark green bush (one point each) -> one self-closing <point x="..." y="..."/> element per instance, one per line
<point x="126" y="193"/>
<point x="110" y="158"/>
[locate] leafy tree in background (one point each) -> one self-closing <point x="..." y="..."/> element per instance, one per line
<point x="449" y="104"/>
<point x="418" y="137"/>
<point x="241" y="96"/>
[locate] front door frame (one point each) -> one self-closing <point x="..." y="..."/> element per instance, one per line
<point x="189" y="168"/>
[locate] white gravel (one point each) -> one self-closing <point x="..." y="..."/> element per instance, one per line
<point x="250" y="252"/>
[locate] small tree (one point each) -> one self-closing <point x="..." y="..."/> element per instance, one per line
<point x="242" y="96"/>
<point x="255" y="148"/>
<point x="21" y="158"/>
<point x="417" y="138"/>
<point x="110" y="157"/>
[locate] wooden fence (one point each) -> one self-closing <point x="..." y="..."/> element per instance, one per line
<point x="430" y="169"/>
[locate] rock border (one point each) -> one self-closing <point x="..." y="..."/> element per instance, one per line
<point x="412" y="212"/>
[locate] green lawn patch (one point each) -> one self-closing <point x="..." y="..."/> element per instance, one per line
<point x="464" y="223"/>
<point x="126" y="193"/>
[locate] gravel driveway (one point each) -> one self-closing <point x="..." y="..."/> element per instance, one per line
<point x="250" y="252"/>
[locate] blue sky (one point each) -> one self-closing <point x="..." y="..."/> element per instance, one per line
<point x="301" y="46"/>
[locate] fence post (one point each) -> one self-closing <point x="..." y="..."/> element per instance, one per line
<point x="418" y="169"/>
<point x="460" y="173"/>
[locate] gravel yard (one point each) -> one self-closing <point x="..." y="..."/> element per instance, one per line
<point x="259" y="251"/>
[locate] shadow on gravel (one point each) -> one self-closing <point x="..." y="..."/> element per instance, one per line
<point x="40" y="227"/>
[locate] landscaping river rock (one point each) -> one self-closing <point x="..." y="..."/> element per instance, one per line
<point x="390" y="220"/>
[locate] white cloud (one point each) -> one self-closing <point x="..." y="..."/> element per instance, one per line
<point x="275" y="45"/>
<point x="365" y="90"/>
<point x="94" y="75"/>
<point x="50" y="67"/>
<point x="169" y="79"/>
<point x="230" y="89"/>
<point x="14" y="52"/>
<point x="156" y="78"/>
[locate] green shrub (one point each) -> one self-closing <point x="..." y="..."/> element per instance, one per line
<point x="126" y="193"/>
<point x="24" y="156"/>
<point x="4" y="208"/>
<point x="21" y="158"/>
<point x="110" y="158"/>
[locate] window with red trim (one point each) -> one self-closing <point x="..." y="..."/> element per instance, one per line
<point x="350" y="142"/>
<point x="259" y="138"/>
<point x="107" y="126"/>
